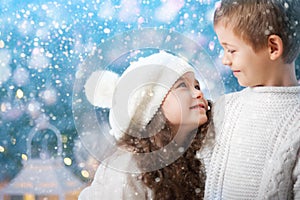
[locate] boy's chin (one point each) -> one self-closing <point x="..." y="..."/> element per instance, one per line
<point x="245" y="84"/>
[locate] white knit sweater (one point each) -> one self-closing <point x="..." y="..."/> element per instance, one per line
<point x="256" y="152"/>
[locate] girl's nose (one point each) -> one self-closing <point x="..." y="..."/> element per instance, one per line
<point x="197" y="94"/>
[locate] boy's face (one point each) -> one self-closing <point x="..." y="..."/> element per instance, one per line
<point x="249" y="67"/>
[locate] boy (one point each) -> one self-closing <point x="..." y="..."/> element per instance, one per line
<point x="256" y="152"/>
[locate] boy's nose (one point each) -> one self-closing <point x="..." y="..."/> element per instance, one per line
<point x="226" y="60"/>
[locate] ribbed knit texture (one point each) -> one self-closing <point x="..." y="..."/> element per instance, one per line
<point x="257" y="145"/>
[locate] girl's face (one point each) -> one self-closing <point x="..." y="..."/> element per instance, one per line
<point x="185" y="106"/>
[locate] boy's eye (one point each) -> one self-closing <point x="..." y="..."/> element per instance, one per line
<point x="230" y="51"/>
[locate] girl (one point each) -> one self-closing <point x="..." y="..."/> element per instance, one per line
<point x="159" y="117"/>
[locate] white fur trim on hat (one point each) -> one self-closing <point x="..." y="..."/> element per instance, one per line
<point x="141" y="90"/>
<point x="99" y="88"/>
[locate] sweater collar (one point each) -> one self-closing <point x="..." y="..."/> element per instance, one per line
<point x="273" y="89"/>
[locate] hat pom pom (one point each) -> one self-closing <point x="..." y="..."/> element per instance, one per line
<point x="99" y="88"/>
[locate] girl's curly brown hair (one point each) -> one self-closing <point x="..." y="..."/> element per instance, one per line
<point x="182" y="179"/>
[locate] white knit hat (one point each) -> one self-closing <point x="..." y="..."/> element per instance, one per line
<point x="141" y="90"/>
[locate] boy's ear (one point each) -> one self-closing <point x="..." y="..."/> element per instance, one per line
<point x="275" y="47"/>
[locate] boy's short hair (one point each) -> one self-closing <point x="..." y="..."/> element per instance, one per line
<point x="255" y="20"/>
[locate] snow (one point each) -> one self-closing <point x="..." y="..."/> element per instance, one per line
<point x="50" y="48"/>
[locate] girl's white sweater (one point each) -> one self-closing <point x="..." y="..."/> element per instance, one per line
<point x="257" y="144"/>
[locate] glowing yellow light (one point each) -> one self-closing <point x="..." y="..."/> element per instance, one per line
<point x="2" y="44"/>
<point x="2" y="149"/>
<point x="85" y="173"/>
<point x="64" y="139"/>
<point x="3" y="107"/>
<point x="20" y="94"/>
<point x="29" y="197"/>
<point x="68" y="161"/>
<point x="24" y="156"/>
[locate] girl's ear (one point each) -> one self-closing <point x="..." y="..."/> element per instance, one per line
<point x="275" y="47"/>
